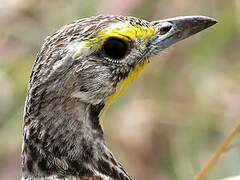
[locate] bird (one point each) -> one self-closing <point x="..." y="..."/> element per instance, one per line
<point x="78" y="73"/>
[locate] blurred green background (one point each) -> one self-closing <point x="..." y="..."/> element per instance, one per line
<point x="171" y="120"/>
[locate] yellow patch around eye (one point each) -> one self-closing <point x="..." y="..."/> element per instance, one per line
<point x="124" y="31"/>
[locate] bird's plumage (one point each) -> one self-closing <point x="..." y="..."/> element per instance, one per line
<point x="80" y="70"/>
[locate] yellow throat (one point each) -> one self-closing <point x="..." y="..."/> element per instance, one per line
<point x="122" y="86"/>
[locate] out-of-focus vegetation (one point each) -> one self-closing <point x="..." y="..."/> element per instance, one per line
<point x="172" y="118"/>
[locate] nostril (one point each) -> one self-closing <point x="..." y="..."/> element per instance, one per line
<point x="165" y="28"/>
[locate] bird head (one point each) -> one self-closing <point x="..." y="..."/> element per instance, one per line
<point x="80" y="70"/>
<point x="95" y="59"/>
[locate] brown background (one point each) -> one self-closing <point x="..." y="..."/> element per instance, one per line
<point x="172" y="118"/>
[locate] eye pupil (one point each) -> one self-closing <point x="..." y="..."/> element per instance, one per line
<point x="115" y="48"/>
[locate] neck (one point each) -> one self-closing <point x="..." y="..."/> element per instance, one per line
<point x="63" y="138"/>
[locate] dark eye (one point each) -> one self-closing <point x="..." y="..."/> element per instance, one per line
<point x="115" y="48"/>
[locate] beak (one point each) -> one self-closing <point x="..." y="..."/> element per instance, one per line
<point x="173" y="30"/>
